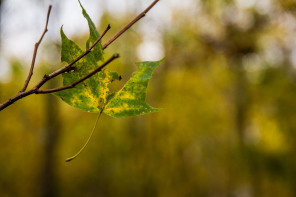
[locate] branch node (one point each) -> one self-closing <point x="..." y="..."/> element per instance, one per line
<point x="46" y="76"/>
<point x="71" y="68"/>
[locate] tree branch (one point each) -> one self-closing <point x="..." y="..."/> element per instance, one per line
<point x="66" y="68"/>
<point x="69" y="66"/>
<point x="141" y="15"/>
<point x="36" y="90"/>
<point x="15" y="98"/>
<point x="35" y="52"/>
<point x="72" y="85"/>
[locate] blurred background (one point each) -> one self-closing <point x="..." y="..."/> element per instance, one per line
<point x="227" y="89"/>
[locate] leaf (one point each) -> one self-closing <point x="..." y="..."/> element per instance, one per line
<point x="97" y="51"/>
<point x="92" y="94"/>
<point x="130" y="100"/>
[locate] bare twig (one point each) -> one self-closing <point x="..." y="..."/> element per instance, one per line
<point x="13" y="99"/>
<point x="72" y="85"/>
<point x="66" y="68"/>
<point x="69" y="66"/>
<point x="141" y="15"/>
<point x="35" y="52"/>
<point x="36" y="90"/>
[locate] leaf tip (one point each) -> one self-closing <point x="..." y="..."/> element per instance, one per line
<point x="80" y="3"/>
<point x="152" y="64"/>
<point x="162" y="60"/>
<point x="62" y="31"/>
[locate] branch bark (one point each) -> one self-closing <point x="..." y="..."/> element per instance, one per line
<point x="46" y="78"/>
<point x="68" y="67"/>
<point x="36" y="89"/>
<point x="72" y="85"/>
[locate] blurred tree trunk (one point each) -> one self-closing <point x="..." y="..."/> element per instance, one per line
<point x="48" y="183"/>
<point x="242" y="104"/>
<point x="240" y="100"/>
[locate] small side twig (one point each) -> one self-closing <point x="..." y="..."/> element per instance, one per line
<point x="72" y="85"/>
<point x="141" y="15"/>
<point x="35" y="52"/>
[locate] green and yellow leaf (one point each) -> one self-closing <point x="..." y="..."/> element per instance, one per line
<point x="92" y="94"/>
<point x="131" y="99"/>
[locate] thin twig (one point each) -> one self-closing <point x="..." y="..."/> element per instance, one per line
<point x="141" y="15"/>
<point x="15" y="98"/>
<point x="66" y="68"/>
<point x="72" y="85"/>
<point x="35" y="52"/>
<point x="69" y="66"/>
<point x="23" y="93"/>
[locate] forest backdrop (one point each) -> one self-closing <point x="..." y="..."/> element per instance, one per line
<point x="227" y="89"/>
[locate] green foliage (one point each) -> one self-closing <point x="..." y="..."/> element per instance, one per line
<point x="93" y="95"/>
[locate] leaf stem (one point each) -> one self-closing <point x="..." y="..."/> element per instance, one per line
<point x="78" y="153"/>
